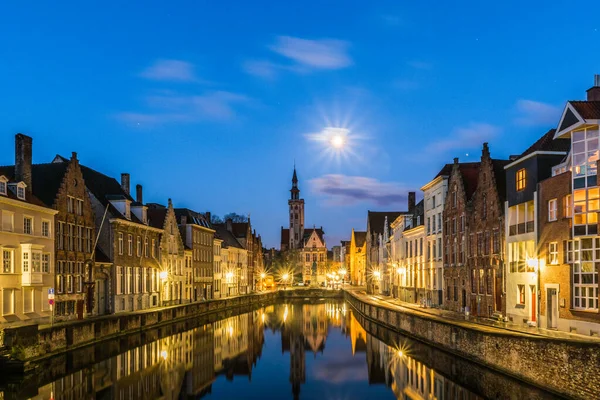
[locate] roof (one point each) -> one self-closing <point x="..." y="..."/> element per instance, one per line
<point x="102" y="186"/>
<point x="360" y="238"/>
<point x="445" y="171"/>
<point x="9" y="172"/>
<point x="500" y="175"/>
<point x="100" y="256"/>
<point x="376" y="219"/>
<point x="192" y="217"/>
<point x="319" y="231"/>
<point x="227" y="237"/>
<point x="470" y="175"/>
<point x="285" y="236"/>
<point x="156" y="217"/>
<point x="240" y="229"/>
<point x="548" y="143"/>
<point x="587" y="109"/>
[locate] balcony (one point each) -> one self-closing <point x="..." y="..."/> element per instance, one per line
<point x="519" y="229"/>
<point x="32" y="278"/>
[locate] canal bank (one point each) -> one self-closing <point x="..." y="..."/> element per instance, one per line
<point x="23" y="346"/>
<point x="567" y="367"/>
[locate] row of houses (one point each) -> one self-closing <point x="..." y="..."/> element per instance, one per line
<point x="76" y="243"/>
<point x="512" y="238"/>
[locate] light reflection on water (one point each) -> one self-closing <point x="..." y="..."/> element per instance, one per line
<point x="287" y="351"/>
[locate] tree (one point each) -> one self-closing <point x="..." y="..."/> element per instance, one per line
<point x="235" y="217"/>
<point x="215" y="219"/>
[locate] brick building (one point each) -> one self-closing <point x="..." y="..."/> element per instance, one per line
<point x="486" y="233"/>
<point x="462" y="184"/>
<point x="127" y="254"/>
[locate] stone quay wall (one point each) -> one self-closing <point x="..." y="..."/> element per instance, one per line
<point x="567" y="367"/>
<point x="31" y="343"/>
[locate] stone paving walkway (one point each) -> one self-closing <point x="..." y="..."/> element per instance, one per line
<point x="462" y="318"/>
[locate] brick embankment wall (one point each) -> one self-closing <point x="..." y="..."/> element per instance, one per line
<point x="32" y="343"/>
<point x="566" y="367"/>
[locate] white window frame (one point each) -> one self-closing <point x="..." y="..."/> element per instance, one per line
<point x="553" y="253"/>
<point x="12" y="260"/>
<point x="584" y="291"/>
<point x="46" y="228"/>
<point x="3" y="185"/>
<point x="129" y="244"/>
<point x="552" y="210"/>
<point x="79" y="206"/>
<point x="28" y="218"/>
<point x="139" y="246"/>
<point x="519" y="287"/>
<point x="21" y="192"/>
<point x="12" y="300"/>
<point x="120" y="243"/>
<point x="26" y="262"/>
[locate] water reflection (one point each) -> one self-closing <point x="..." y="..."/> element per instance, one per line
<point x="306" y="351"/>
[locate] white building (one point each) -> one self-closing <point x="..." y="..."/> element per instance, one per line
<point x="434" y="197"/>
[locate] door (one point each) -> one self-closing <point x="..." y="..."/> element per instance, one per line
<point x="101" y="296"/>
<point x="533" y="303"/>
<point x="552" y="308"/>
<point x="80" y="309"/>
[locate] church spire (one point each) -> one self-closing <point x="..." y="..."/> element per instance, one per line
<point x="295" y="191"/>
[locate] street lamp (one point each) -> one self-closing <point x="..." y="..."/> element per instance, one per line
<point x="285" y="278"/>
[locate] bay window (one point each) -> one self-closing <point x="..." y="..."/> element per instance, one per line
<point x="584" y="256"/>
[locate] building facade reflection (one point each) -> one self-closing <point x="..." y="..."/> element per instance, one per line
<point x="186" y="365"/>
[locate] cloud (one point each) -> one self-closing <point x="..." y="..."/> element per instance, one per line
<point x="532" y="113"/>
<point x="420" y="64"/>
<point x="347" y="190"/>
<point x="320" y="54"/>
<point x="170" y="70"/>
<point x="168" y="107"/>
<point x="304" y="56"/>
<point x="474" y="134"/>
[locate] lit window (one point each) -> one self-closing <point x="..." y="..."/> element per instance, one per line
<point x="553" y="253"/>
<point x="7" y="261"/>
<point x="583" y="255"/>
<point x="521" y="294"/>
<point x="567" y="206"/>
<point x="521" y="179"/>
<point x="552" y="210"/>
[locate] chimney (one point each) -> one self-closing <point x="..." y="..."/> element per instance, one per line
<point x="485" y="152"/>
<point x="229" y="225"/>
<point x="73" y="155"/>
<point x="23" y="150"/>
<point x="455" y="160"/>
<point x="411" y="202"/>
<point x="593" y="93"/>
<point x="138" y="194"/>
<point x="183" y="219"/>
<point x="125" y="182"/>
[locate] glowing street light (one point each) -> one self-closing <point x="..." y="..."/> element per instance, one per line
<point x="163" y="275"/>
<point x="163" y="355"/>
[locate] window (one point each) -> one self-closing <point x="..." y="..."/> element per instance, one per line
<point x="25" y="262"/>
<point x="70" y="204"/>
<point x="484" y="206"/>
<point x="3" y="187"/>
<point x="70" y="283"/>
<point x="153" y="248"/>
<point x="473" y="281"/>
<point x="7" y="261"/>
<point x="130" y="245"/>
<point x="490" y="281"/>
<point x="481" y="281"/>
<point x="552" y="210"/>
<point x="454" y="197"/>
<point x="7" y="221"/>
<point x="521" y="179"/>
<point x="439" y="253"/>
<point x="584" y="255"/>
<point x="79" y="207"/>
<point x="8" y="301"/>
<point x="36" y="261"/>
<point x="567" y="206"/>
<point x="146" y="249"/>
<point x="520" y="294"/>
<point x="432" y="201"/>
<point x="120" y="243"/>
<point x="552" y="253"/>
<point x="139" y="246"/>
<point x="60" y="239"/>
<point x="120" y="282"/>
<point x="428" y="225"/>
<point x="28" y="225"/>
<point x="28" y="300"/>
<point x="21" y="192"/>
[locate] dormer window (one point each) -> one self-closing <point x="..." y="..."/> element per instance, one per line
<point x="3" y="181"/>
<point x="21" y="192"/>
<point x="18" y="189"/>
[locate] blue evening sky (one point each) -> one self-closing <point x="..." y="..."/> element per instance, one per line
<point x="209" y="103"/>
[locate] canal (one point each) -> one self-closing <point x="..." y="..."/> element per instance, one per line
<point x="298" y="350"/>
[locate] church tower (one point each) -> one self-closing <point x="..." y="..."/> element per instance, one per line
<point x="296" y="205"/>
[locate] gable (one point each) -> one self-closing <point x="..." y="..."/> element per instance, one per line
<point x="314" y="240"/>
<point x="569" y="120"/>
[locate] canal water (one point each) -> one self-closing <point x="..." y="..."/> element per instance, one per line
<point x="299" y="350"/>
